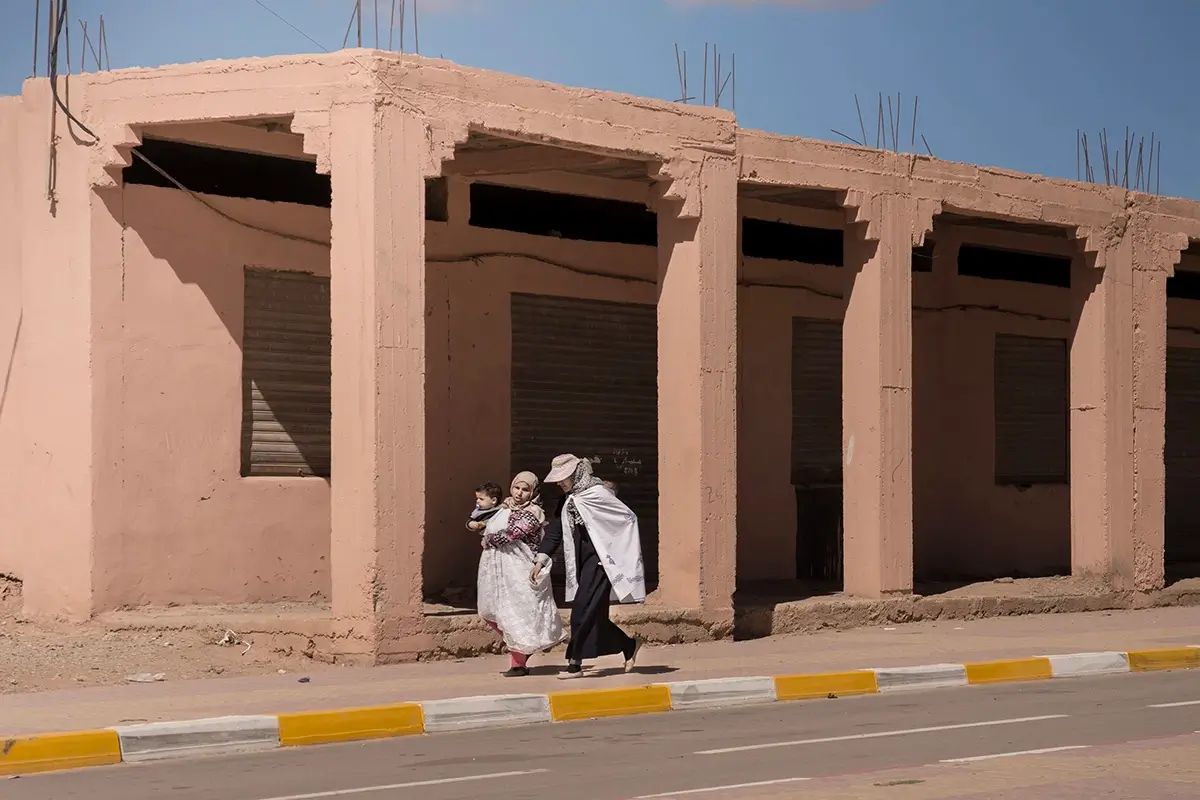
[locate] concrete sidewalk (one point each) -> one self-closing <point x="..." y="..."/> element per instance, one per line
<point x="903" y="645"/>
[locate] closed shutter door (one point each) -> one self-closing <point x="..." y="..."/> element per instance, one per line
<point x="816" y="402"/>
<point x="1031" y="410"/>
<point x="285" y="374"/>
<point x="585" y="381"/>
<point x="1183" y="455"/>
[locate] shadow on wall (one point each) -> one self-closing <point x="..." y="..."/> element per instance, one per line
<point x="267" y="291"/>
<point x="12" y="360"/>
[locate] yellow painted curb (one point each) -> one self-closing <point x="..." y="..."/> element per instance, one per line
<point x="1017" y="669"/>
<point x="23" y="755"/>
<point x="594" y="703"/>
<point x="350" y="724"/>
<point x="1174" y="658"/>
<point x="807" y="687"/>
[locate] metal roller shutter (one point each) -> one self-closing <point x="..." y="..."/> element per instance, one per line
<point x="1183" y="455"/>
<point x="286" y="346"/>
<point x="1032" y="416"/>
<point x="585" y="381"/>
<point x="816" y="402"/>
<point x="817" y="447"/>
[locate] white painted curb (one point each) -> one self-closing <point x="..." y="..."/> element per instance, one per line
<point x="721" y="692"/>
<point x="1076" y="665"/>
<point x="468" y="713"/>
<point x="929" y="676"/>
<point x="154" y="740"/>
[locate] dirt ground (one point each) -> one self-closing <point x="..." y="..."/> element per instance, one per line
<point x="186" y="643"/>
<point x="39" y="656"/>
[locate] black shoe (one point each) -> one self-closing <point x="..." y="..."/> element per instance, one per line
<point x="516" y="672"/>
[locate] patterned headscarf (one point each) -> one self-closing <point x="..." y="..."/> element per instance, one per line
<point x="583" y="478"/>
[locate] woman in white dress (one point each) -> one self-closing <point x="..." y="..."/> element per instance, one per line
<point x="523" y="612"/>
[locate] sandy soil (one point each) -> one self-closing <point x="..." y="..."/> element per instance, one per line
<point x="35" y="656"/>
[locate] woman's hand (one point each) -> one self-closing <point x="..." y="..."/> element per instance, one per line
<point x="540" y="563"/>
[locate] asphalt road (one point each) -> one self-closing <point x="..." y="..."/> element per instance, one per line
<point x="779" y="750"/>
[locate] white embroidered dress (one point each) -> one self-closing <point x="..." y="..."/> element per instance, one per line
<point x="525" y="613"/>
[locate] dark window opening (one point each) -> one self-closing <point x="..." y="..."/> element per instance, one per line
<point x="562" y="216"/>
<point x="230" y="173"/>
<point x="922" y="257"/>
<point x="1184" y="285"/>
<point x="437" y="200"/>
<point x="997" y="264"/>
<point x="800" y="243"/>
<point x="251" y="176"/>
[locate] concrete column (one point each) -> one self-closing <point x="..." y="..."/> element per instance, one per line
<point x="1101" y="408"/>
<point x="379" y="156"/>
<point x="1118" y="408"/>
<point x="697" y="385"/>
<point x="877" y="398"/>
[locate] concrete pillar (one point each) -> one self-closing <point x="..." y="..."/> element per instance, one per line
<point x="1118" y="407"/>
<point x="877" y="397"/>
<point x="697" y="385"/>
<point x="1101" y="408"/>
<point x="379" y="155"/>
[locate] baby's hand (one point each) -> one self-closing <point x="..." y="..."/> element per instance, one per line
<point x="475" y="526"/>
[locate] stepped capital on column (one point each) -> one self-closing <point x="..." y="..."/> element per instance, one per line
<point x="681" y="179"/>
<point x="1101" y="240"/>
<point x="868" y="209"/>
<point x="113" y="153"/>
<point x="678" y="182"/>
<point x="1155" y="249"/>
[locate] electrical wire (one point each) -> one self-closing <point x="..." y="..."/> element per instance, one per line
<point x="476" y="258"/>
<point x="53" y="71"/>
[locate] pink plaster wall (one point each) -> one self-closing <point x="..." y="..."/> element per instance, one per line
<point x="12" y="546"/>
<point x="469" y="359"/>
<point x="190" y="529"/>
<point x="46" y="430"/>
<point x="964" y="525"/>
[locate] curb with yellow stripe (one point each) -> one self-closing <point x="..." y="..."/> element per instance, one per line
<point x="132" y="743"/>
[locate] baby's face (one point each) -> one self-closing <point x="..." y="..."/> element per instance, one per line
<point x="484" y="501"/>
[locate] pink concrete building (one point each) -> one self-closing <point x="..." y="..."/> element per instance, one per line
<point x="372" y="281"/>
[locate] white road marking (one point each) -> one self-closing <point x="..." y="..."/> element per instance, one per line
<point x="1043" y="750"/>
<point x="1176" y="705"/>
<point x="708" y="789"/>
<point x="410" y="785"/>
<point x="880" y="734"/>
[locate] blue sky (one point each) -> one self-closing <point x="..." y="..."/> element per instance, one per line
<point x="1003" y="83"/>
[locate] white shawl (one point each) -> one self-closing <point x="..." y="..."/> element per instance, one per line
<point x="613" y="529"/>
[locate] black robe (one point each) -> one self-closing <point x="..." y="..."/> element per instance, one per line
<point x="593" y="634"/>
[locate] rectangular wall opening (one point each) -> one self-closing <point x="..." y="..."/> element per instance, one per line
<point x="1032" y="410"/>
<point x="991" y="403"/>
<point x="603" y="407"/>
<point x="286" y="379"/>
<point x="782" y="241"/>
<point x="1001" y="264"/>
<point x="562" y="216"/>
<point x="1182" y="446"/>
<point x="817" y="448"/>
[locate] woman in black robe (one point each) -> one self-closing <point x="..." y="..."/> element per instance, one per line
<point x="593" y="634"/>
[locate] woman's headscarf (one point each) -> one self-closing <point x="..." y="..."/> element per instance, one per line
<point x="583" y="478"/>
<point x="534" y="504"/>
